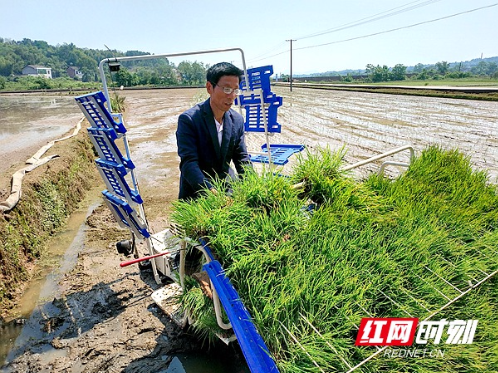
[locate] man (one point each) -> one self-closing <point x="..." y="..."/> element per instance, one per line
<point x="211" y="134"/>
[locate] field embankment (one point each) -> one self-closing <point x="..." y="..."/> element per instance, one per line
<point x="468" y="93"/>
<point x="50" y="193"/>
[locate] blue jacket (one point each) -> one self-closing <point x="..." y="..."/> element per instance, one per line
<point x="201" y="157"/>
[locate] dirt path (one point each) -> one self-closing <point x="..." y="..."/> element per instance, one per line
<point x="102" y="318"/>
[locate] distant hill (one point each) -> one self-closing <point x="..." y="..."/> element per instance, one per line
<point x="15" y="55"/>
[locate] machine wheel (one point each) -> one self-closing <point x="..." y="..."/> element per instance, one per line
<point x="124" y="247"/>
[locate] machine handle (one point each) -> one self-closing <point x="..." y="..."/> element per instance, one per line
<point x="137" y="260"/>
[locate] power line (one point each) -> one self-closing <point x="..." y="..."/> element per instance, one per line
<point x="375" y="17"/>
<point x="265" y="58"/>
<point x="398" y="28"/>
<point x="269" y="50"/>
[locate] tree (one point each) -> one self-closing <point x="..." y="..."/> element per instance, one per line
<point x="418" y="68"/>
<point x="442" y="67"/>
<point x="492" y="68"/>
<point x="192" y="73"/>
<point x="423" y="75"/>
<point x="480" y="69"/>
<point x="378" y="73"/>
<point x="6" y="64"/>
<point x="43" y="83"/>
<point x="398" y="72"/>
<point x="167" y="75"/>
<point x="123" y="78"/>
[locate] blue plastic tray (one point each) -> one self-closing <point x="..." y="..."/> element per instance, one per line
<point x="259" y="78"/>
<point x="92" y="105"/>
<point x="103" y="141"/>
<point x="254" y="121"/>
<point x="114" y="178"/>
<point x="125" y="215"/>
<point x="280" y="153"/>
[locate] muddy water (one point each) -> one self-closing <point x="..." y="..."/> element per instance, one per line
<point x="29" y="121"/>
<point x="61" y="257"/>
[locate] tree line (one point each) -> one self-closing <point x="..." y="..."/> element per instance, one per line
<point x="15" y="55"/>
<point x="441" y="70"/>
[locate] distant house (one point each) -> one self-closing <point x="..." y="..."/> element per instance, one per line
<point x="37" y="70"/>
<point x="74" y="72"/>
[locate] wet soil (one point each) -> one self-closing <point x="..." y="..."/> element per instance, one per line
<point x="102" y="318"/>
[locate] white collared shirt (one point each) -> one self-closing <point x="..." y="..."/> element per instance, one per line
<point x="219" y="129"/>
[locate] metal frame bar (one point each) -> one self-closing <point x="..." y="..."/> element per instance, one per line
<point x="216" y="299"/>
<point x="383" y="155"/>
<point x="154" y="56"/>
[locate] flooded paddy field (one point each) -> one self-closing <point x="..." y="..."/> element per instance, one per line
<point x="29" y="121"/>
<point x="366" y="124"/>
<point x="113" y="322"/>
<point x="369" y="124"/>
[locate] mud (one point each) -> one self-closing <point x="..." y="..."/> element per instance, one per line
<point x="102" y="318"/>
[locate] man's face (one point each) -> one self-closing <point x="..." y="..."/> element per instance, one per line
<point x="221" y="101"/>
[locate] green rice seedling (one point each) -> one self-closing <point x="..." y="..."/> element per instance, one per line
<point x="195" y="302"/>
<point x="380" y="248"/>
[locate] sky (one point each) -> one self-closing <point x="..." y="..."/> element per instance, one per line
<point x="328" y="35"/>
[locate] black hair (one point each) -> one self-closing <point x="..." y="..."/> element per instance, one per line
<point x="215" y="72"/>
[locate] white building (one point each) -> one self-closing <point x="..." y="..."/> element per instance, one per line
<point x="37" y="70"/>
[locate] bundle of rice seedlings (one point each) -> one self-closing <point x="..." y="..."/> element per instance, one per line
<point x="382" y="248"/>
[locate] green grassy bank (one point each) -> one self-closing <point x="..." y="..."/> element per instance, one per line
<point x="49" y="194"/>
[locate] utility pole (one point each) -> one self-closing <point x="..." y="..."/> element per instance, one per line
<point x="290" y="78"/>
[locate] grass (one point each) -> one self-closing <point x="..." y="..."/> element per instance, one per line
<point x="310" y="276"/>
<point x="32" y="83"/>
<point x="118" y="103"/>
<point x="463" y="82"/>
<point x="50" y="194"/>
